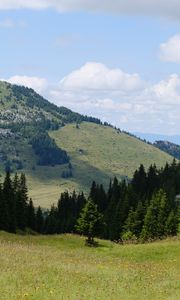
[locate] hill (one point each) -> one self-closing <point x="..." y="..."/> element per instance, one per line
<point x="97" y="153"/>
<point x="152" y="137"/>
<point x="168" y="147"/>
<point x="45" y="142"/>
<point x="61" y="267"/>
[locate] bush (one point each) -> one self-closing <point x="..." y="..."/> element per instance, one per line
<point x="128" y="236"/>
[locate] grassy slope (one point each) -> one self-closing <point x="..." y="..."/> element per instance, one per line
<point x="61" y="267"/>
<point x="105" y="154"/>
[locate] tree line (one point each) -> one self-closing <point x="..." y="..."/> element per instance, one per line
<point x="144" y="208"/>
<point x="17" y="212"/>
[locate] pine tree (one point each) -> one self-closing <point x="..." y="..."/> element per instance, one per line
<point x="153" y="183"/>
<point x="89" y="221"/>
<point x="134" y="221"/>
<point x="31" y="220"/>
<point x="4" y="216"/>
<point x="39" y="220"/>
<point x="171" y="225"/>
<point x="139" y="181"/>
<point x="9" y="199"/>
<point x="21" y="201"/>
<point x="51" y="225"/>
<point x="156" y="216"/>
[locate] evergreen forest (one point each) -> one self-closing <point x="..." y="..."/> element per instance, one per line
<point x="142" y="209"/>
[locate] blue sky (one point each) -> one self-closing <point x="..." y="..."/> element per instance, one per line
<point x="117" y="62"/>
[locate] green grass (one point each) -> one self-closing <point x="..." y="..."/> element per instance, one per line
<point x="61" y="267"/>
<point x="105" y="154"/>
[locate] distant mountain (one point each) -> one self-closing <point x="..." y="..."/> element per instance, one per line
<point x="169" y="148"/>
<point x="59" y="149"/>
<point x="150" y="137"/>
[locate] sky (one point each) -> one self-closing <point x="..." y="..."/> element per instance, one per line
<point x="116" y="60"/>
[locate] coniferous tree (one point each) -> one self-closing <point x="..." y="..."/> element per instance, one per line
<point x="31" y="219"/>
<point x="89" y="221"/>
<point x="39" y="220"/>
<point x="9" y="198"/>
<point x="139" y="181"/>
<point x="21" y="201"/>
<point x="156" y="216"/>
<point x="4" y="216"/>
<point x="134" y="222"/>
<point x="171" y="225"/>
<point x="51" y="225"/>
<point x="153" y="183"/>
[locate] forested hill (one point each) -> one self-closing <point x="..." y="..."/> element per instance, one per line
<point x="168" y="147"/>
<point x="25" y="118"/>
<point x="19" y="104"/>
<point x="59" y="149"/>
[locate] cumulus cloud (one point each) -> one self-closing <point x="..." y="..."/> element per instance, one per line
<point x="170" y="50"/>
<point x="114" y="96"/>
<point x="168" y="8"/>
<point x="122" y="99"/>
<point x="36" y="83"/>
<point x="168" y="91"/>
<point x="96" y="76"/>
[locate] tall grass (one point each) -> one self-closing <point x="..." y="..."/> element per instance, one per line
<point x="61" y="267"/>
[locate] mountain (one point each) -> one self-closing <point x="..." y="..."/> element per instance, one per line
<point x="59" y="149"/>
<point x="152" y="137"/>
<point x="169" y="148"/>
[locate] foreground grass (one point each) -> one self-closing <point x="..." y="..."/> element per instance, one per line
<point x="61" y="267"/>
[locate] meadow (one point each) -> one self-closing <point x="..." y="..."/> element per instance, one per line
<point x="61" y="267"/>
<point x="97" y="153"/>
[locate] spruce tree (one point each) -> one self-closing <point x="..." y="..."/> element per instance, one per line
<point x="20" y="189"/>
<point x="51" y="225"/>
<point x="39" y="220"/>
<point x="31" y="220"/>
<point x="4" y="216"/>
<point x="9" y="201"/>
<point x="156" y="216"/>
<point x="171" y="225"/>
<point x="89" y="221"/>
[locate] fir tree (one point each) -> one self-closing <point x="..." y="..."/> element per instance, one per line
<point x="31" y="221"/>
<point x="4" y="216"/>
<point x="171" y="225"/>
<point x="89" y="221"/>
<point x="156" y="216"/>
<point x="39" y="220"/>
<point x="9" y="198"/>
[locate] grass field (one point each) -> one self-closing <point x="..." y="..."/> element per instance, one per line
<point x="97" y="153"/>
<point x="61" y="267"/>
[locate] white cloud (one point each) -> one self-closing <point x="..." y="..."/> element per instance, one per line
<point x="36" y="83"/>
<point x="168" y="91"/>
<point x="170" y="51"/>
<point x="168" y="8"/>
<point x="96" y="76"/>
<point x="103" y="93"/>
<point x="110" y="95"/>
<point x="29" y="4"/>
